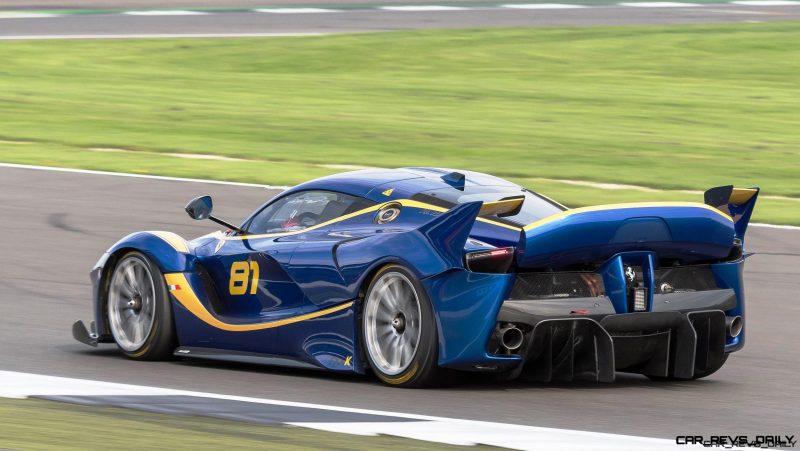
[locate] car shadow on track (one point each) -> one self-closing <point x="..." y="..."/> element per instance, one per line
<point x="462" y="381"/>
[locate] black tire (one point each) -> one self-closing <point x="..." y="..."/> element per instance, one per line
<point x="423" y="369"/>
<point x="151" y="306"/>
<point x="698" y="375"/>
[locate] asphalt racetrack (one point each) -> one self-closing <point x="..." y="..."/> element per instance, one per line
<point x="366" y="20"/>
<point x="58" y="223"/>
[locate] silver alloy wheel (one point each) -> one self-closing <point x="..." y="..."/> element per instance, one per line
<point x="131" y="303"/>
<point x="392" y="323"/>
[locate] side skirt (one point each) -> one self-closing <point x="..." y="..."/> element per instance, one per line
<point x="226" y="355"/>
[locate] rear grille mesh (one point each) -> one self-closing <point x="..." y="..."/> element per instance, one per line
<point x="684" y="278"/>
<point x="579" y="284"/>
<point x="557" y="285"/>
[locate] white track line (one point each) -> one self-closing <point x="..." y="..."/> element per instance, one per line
<point x="773" y="226"/>
<point x="542" y="6"/>
<point x="24" y="15"/>
<point x="430" y="428"/>
<point x="174" y="12"/>
<point x="221" y="182"/>
<point x="156" y="36"/>
<point x="295" y="10"/>
<point x="139" y="176"/>
<point x="658" y="5"/>
<point x="423" y="8"/>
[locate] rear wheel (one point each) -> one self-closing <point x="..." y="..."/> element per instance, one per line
<point x="399" y="330"/>
<point x="139" y="314"/>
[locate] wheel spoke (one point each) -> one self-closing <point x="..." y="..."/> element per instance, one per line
<point x="140" y="279"/>
<point x="385" y="335"/>
<point x="389" y="298"/>
<point x="127" y="327"/>
<point x="139" y="334"/>
<point x="397" y="351"/>
<point x="130" y="276"/>
<point x="406" y="299"/>
<point x="122" y="287"/>
<point x="397" y="296"/>
<point x="408" y="349"/>
<point x="384" y="316"/>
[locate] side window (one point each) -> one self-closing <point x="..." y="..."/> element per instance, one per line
<point x="304" y="209"/>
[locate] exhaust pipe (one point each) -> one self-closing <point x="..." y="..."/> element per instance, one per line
<point x="510" y="337"/>
<point x="733" y="324"/>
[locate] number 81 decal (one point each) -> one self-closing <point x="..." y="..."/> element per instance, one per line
<point x="242" y="275"/>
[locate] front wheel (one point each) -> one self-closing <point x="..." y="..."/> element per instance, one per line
<point x="139" y="314"/>
<point x="399" y="330"/>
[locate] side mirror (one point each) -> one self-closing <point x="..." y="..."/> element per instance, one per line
<point x="200" y="207"/>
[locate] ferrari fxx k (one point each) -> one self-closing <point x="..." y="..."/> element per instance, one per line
<point x="414" y="273"/>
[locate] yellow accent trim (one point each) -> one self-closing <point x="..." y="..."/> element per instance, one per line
<point x="404" y="202"/>
<point x="348" y="360"/>
<point x="501" y="206"/>
<point x="742" y="195"/>
<point x="297" y="232"/>
<point x="186" y="296"/>
<point x="173" y="239"/>
<point x="416" y="204"/>
<point x="402" y="379"/>
<point x="388" y="192"/>
<point x="240" y="278"/>
<point x="254" y="270"/>
<point x="575" y="211"/>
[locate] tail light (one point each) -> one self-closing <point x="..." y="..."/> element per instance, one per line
<point x="492" y="260"/>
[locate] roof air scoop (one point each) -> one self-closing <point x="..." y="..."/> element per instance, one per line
<point x="455" y="179"/>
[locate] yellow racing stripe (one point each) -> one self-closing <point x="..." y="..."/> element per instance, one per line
<point x="404" y="202"/>
<point x="576" y="211"/>
<point x="179" y="288"/>
<point x="173" y="239"/>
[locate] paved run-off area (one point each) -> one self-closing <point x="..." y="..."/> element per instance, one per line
<point x="277" y="20"/>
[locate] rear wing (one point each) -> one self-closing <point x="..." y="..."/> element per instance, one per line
<point x="738" y="203"/>
<point x="503" y="207"/>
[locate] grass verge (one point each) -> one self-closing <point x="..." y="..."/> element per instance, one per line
<point x="39" y="424"/>
<point x="674" y="108"/>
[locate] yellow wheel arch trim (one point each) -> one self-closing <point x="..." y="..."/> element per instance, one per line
<point x="576" y="211"/>
<point x="173" y="239"/>
<point x="179" y="288"/>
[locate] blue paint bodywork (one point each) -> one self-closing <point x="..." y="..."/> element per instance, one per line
<point x="331" y="265"/>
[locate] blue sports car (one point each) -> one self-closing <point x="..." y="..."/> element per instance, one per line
<point x="418" y="272"/>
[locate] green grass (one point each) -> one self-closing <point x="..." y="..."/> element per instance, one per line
<point x="39" y="424"/>
<point x="676" y="108"/>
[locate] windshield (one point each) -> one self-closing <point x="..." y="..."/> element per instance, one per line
<point x="534" y="208"/>
<point x="304" y="209"/>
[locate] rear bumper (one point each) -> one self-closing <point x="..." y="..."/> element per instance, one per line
<point x="585" y="338"/>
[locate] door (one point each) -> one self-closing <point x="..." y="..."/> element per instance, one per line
<point x="253" y="274"/>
